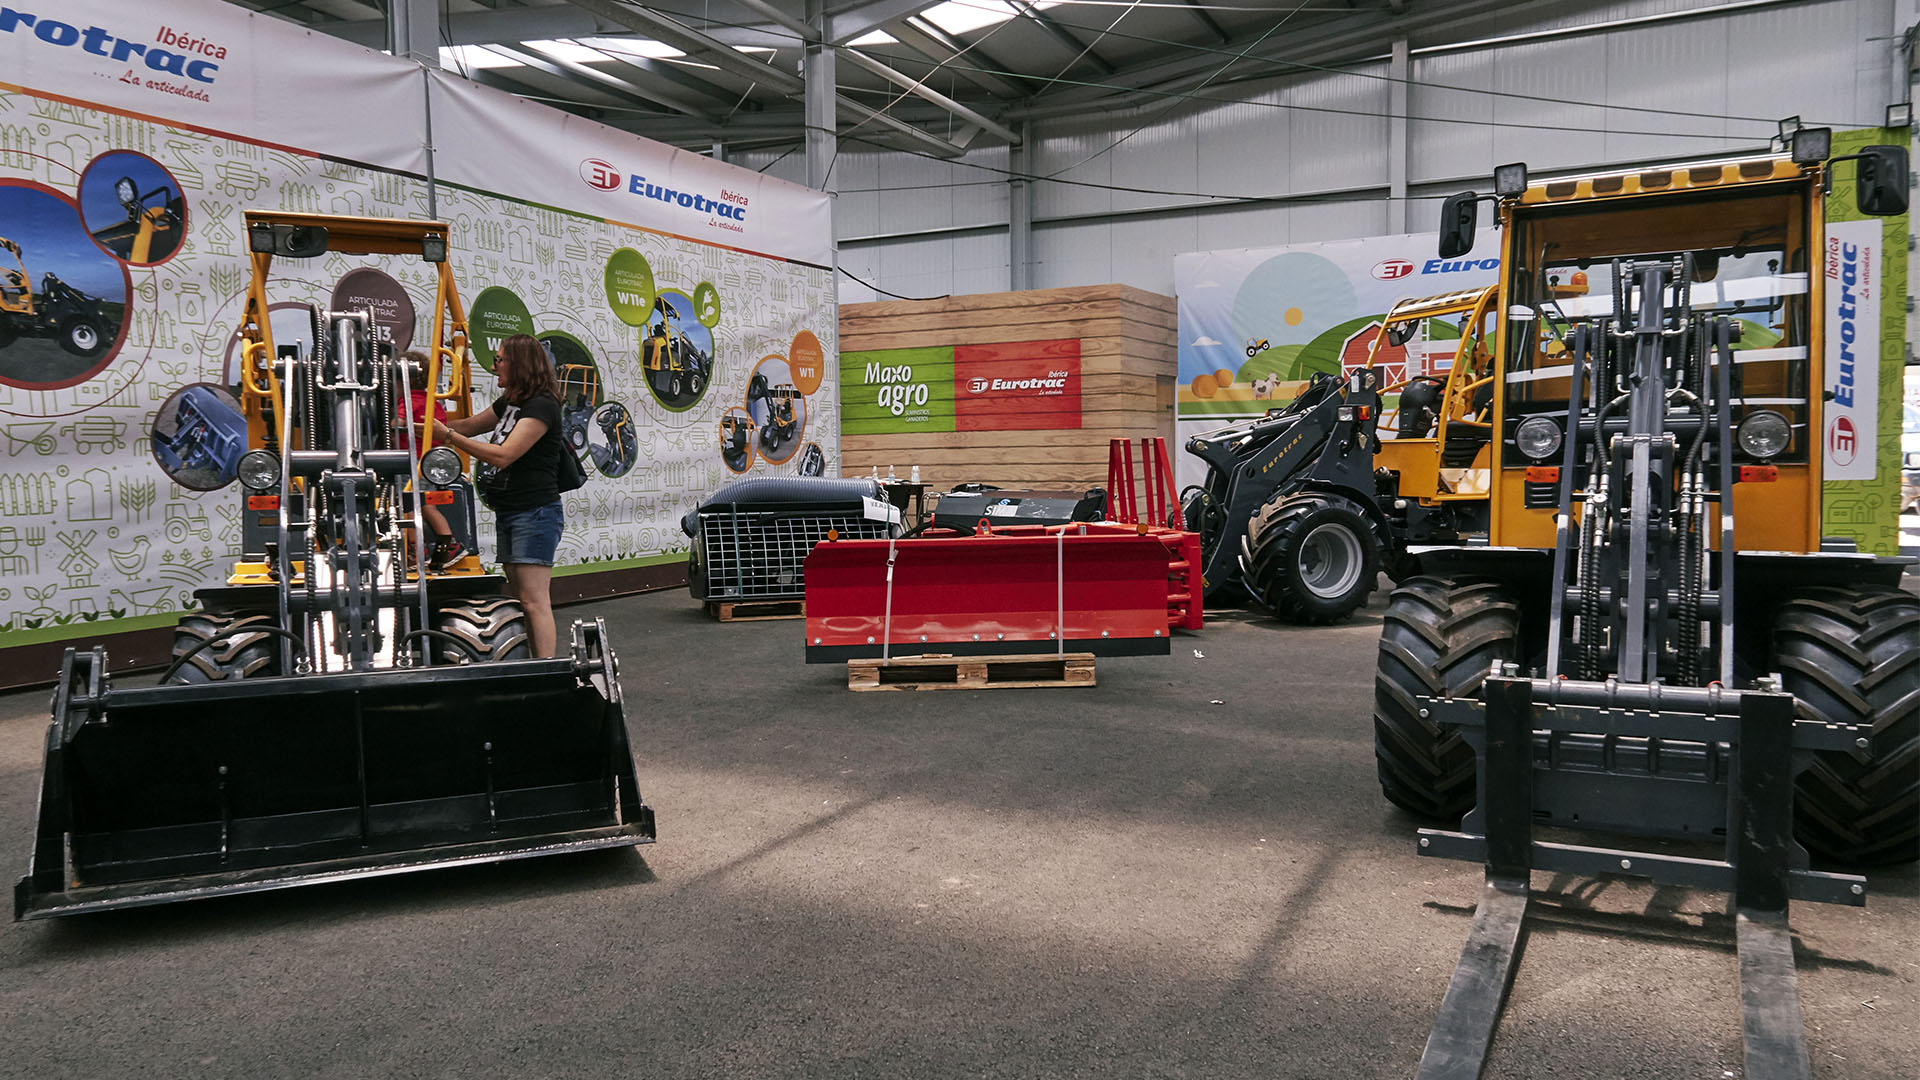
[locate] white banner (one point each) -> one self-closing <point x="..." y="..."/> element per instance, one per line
<point x="218" y="68"/>
<point x="687" y="356"/>
<point x="1256" y="323"/>
<point x="1851" y="265"/>
<point x="496" y="142"/>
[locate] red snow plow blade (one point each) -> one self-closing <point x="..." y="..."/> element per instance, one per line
<point x="1111" y="590"/>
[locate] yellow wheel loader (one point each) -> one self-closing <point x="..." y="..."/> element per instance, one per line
<point x="339" y="708"/>
<point x="1653" y="638"/>
<point x="56" y="310"/>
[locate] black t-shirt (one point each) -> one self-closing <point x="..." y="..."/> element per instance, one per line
<point x="528" y="483"/>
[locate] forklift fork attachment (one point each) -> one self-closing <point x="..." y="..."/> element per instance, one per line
<point x="1513" y="731"/>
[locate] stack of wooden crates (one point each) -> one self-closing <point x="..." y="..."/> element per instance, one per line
<point x="1127" y="372"/>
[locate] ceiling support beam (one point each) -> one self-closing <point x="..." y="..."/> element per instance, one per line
<point x="927" y="141"/>
<point x="1062" y="35"/>
<point x="855" y="21"/>
<point x="1339" y="39"/>
<point x="920" y="89"/>
<point x="1205" y="20"/>
<point x="560" y="69"/>
<point x="913" y="34"/>
<point x="780" y="18"/>
<point x="652" y="94"/>
<point x="693" y="42"/>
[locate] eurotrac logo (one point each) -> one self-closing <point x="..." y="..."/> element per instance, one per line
<point x="1391" y="269"/>
<point x="729" y="211"/>
<point x="599" y="174"/>
<point x="1843" y="267"/>
<point x="1454" y="266"/>
<point x="170" y="52"/>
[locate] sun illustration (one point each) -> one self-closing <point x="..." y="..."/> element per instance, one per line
<point x="1294" y="316"/>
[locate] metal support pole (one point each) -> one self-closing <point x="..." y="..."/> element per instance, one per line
<point x="413" y="30"/>
<point x="1020" y="211"/>
<point x="817" y="66"/>
<point x="1397" y="71"/>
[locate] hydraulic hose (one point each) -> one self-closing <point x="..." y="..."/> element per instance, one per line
<point x="222" y="635"/>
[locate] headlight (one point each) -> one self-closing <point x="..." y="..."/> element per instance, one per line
<point x="259" y="470"/>
<point x="440" y="466"/>
<point x="124" y="190"/>
<point x="1537" y="437"/>
<point x="1764" y="434"/>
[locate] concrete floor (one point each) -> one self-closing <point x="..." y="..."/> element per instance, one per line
<point x="1186" y="871"/>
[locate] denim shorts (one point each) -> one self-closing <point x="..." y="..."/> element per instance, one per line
<point x="529" y="537"/>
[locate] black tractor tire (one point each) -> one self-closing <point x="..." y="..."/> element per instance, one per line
<point x="1852" y="656"/>
<point x="494" y="627"/>
<point x="7" y="333"/>
<point x="694" y="385"/>
<point x="1440" y="638"/>
<point x="83" y="335"/>
<point x="240" y="654"/>
<point x="1311" y="557"/>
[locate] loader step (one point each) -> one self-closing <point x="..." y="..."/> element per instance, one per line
<point x="939" y="672"/>
<point x="758" y="610"/>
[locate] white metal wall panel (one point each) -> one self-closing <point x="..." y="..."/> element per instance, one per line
<point x="1680" y="65"/>
<point x="1249" y="226"/>
<point x="1158" y="158"/>
<point x="1458" y="141"/>
<point x="1143" y="251"/>
<point x="1244" y="149"/>
<point x="979" y="195"/>
<point x="932" y="266"/>
<point x="1339" y="131"/>
<point x="1073" y="255"/>
<point x="1072" y="150"/>
<point x="1537" y="110"/>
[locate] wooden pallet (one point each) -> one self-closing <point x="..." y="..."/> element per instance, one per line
<point x="938" y="672"/>
<point x="758" y="610"/>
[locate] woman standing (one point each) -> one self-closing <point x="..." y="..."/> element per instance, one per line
<point x="523" y="489"/>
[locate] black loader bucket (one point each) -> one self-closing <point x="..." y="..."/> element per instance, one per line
<point x="171" y="793"/>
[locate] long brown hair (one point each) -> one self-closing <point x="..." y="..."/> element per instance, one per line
<point x="529" y="372"/>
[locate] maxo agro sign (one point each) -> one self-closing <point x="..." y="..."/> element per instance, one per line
<point x="1012" y="386"/>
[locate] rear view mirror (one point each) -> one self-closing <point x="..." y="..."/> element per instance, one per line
<point x="1459" y="215"/>
<point x="1880" y="180"/>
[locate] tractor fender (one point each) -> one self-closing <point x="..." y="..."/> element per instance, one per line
<point x="1367" y="499"/>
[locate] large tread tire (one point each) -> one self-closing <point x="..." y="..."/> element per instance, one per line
<point x="1852" y="656"/>
<point x="240" y="655"/>
<point x="495" y="626"/>
<point x="1311" y="557"/>
<point x="1440" y="638"/>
